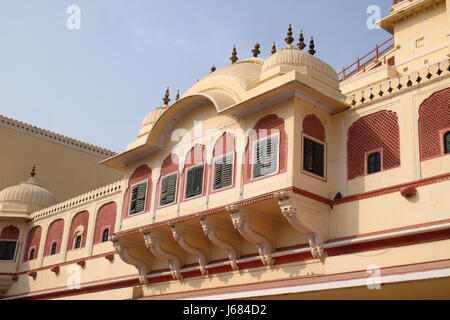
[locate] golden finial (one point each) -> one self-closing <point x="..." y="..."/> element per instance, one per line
<point x="274" y="48"/>
<point x="33" y="171"/>
<point x="343" y="73"/>
<point x="166" y="98"/>
<point x="301" y="44"/>
<point x="289" y="38"/>
<point x="234" y="57"/>
<point x="178" y="95"/>
<point x="384" y="60"/>
<point x="311" y="50"/>
<point x="364" y="68"/>
<point x="256" y="51"/>
<point x="213" y="68"/>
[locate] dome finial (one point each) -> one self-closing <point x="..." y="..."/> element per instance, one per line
<point x="256" y="51"/>
<point x="178" y="95"/>
<point x="166" y="98"/>
<point x="213" y="68"/>
<point x="33" y="171"/>
<point x="274" y="48"/>
<point x="234" y="57"/>
<point x="289" y="38"/>
<point x="301" y="44"/>
<point x="311" y="50"/>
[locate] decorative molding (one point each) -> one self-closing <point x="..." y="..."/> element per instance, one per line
<point x="242" y="223"/>
<point x="88" y="197"/>
<point x="180" y="237"/>
<point x="153" y="241"/>
<point x="309" y="223"/>
<point x="210" y="231"/>
<point x="121" y="248"/>
<point x="55" y="137"/>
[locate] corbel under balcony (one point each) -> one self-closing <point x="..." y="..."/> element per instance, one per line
<point x="305" y="220"/>
<point x="210" y="228"/>
<point x="153" y="241"/>
<point x="242" y="222"/>
<point x="5" y="283"/>
<point x="179" y="233"/>
<point x="121" y="247"/>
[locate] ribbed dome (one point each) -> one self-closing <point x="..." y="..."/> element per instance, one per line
<point x="28" y="193"/>
<point x="151" y="118"/>
<point x="293" y="57"/>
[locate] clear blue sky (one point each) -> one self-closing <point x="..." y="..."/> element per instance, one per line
<point x="97" y="84"/>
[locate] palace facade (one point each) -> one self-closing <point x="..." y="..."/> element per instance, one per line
<point x="275" y="178"/>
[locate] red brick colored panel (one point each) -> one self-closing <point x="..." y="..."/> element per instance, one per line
<point x="265" y="127"/>
<point x="80" y="219"/>
<point x="170" y="164"/>
<point x="33" y="240"/>
<point x="377" y="130"/>
<point x="313" y="127"/>
<point x="141" y="173"/>
<point x="10" y="233"/>
<point x="434" y="116"/>
<point x="225" y="144"/>
<point x="54" y="234"/>
<point x="106" y="217"/>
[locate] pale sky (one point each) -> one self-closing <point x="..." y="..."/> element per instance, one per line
<point x="96" y="84"/>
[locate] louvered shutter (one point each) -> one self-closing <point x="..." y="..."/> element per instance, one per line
<point x="223" y="172"/>
<point x="138" y="198"/>
<point x="318" y="160"/>
<point x="271" y="156"/>
<point x="259" y="158"/>
<point x="313" y="156"/>
<point x="168" y="186"/>
<point x="194" y="183"/>
<point x="218" y="174"/>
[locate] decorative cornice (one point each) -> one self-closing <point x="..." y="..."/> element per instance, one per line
<point x="403" y="83"/>
<point x="90" y="196"/>
<point x="55" y="137"/>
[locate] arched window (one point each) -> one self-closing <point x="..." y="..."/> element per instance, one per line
<point x="374" y="162"/>
<point x="447" y="142"/>
<point x="78" y="242"/>
<point x="54" y="247"/>
<point x="105" y="235"/>
<point x="32" y="252"/>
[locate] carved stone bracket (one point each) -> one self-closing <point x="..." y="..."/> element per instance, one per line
<point x="180" y="237"/>
<point x="5" y="283"/>
<point x="153" y="241"/>
<point x="308" y="222"/>
<point x="242" y="223"/>
<point x="121" y="248"/>
<point x="210" y="231"/>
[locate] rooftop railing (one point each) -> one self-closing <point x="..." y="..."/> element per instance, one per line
<point x="364" y="61"/>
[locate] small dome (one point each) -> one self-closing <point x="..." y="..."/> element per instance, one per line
<point x="290" y="56"/>
<point x="151" y="118"/>
<point x="28" y="193"/>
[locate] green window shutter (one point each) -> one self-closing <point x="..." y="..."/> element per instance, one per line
<point x="223" y="172"/>
<point x="168" y="186"/>
<point x="447" y="142"/>
<point x="374" y="162"/>
<point x="270" y="156"/>
<point x="194" y="183"/>
<point x="138" y="194"/>
<point x="260" y="159"/>
<point x="313" y="156"/>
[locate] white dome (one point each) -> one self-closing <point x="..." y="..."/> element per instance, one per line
<point x="150" y="119"/>
<point x="290" y="56"/>
<point x="28" y="193"/>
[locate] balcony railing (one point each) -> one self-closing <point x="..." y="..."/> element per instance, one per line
<point x="363" y="62"/>
<point x="394" y="2"/>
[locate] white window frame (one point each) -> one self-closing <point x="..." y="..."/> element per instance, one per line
<point x="203" y="181"/>
<point x="176" y="189"/>
<point x="15" y="251"/>
<point x="131" y="193"/>
<point x="232" y="153"/>
<point x="324" y="178"/>
<point x="253" y="178"/>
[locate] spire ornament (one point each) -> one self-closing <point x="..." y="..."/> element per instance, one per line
<point x="178" y="95"/>
<point x="311" y="50"/>
<point x="301" y="44"/>
<point x="256" y="51"/>
<point x="289" y="38"/>
<point x="33" y="171"/>
<point x="166" y="98"/>
<point x="213" y="68"/>
<point x="234" y="57"/>
<point x="274" y="48"/>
